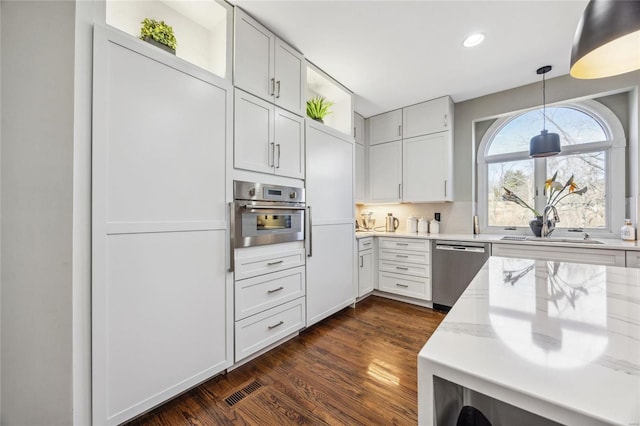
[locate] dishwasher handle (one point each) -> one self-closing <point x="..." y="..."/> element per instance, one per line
<point x="460" y="248"/>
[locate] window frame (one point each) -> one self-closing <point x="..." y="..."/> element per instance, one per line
<point x="614" y="152"/>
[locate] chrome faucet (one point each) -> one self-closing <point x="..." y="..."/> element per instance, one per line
<point x="545" y="218"/>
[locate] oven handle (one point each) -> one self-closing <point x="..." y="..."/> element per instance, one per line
<point x="310" y="254"/>
<point x="261" y="207"/>
<point x="232" y="240"/>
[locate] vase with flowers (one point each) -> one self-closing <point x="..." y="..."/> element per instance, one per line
<point x="555" y="192"/>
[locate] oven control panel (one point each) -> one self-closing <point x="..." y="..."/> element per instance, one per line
<point x="263" y="192"/>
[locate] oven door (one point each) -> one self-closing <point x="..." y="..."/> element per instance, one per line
<point x="267" y="223"/>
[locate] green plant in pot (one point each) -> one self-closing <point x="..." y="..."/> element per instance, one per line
<point x="159" y="34"/>
<point x="318" y="108"/>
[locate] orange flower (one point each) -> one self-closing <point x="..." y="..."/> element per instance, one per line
<point x="573" y="186"/>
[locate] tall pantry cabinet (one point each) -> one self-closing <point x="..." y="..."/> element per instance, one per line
<point x="161" y="295"/>
<point x="330" y="248"/>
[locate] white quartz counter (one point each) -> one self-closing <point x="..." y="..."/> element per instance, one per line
<point x="610" y="244"/>
<point x="561" y="340"/>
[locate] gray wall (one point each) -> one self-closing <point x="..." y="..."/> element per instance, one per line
<point x="37" y="84"/>
<point x="557" y="89"/>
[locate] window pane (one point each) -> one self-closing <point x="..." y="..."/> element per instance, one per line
<point x="573" y="126"/>
<point x="587" y="210"/>
<point x="517" y="176"/>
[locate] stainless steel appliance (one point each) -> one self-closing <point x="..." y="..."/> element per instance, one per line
<point x="454" y="264"/>
<point x="391" y="223"/>
<point x="265" y="214"/>
<point x="367" y="222"/>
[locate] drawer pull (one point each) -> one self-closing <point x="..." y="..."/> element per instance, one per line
<point x="401" y="285"/>
<point x="402" y="244"/>
<point x="275" y="289"/>
<point x="366" y="244"/>
<point x="275" y="263"/>
<point x="402" y="268"/>
<point x="271" y="327"/>
<point x="402" y="255"/>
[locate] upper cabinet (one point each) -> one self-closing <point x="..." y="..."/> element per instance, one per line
<point x="203" y="29"/>
<point x="340" y="115"/>
<point x="427" y="117"/>
<point x="385" y="127"/>
<point x="266" y="66"/>
<point x="427" y="168"/>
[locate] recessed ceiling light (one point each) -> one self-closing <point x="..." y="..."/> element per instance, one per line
<point x="473" y="40"/>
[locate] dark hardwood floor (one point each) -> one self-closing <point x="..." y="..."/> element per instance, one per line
<point x="357" y="367"/>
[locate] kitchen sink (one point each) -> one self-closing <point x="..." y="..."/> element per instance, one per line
<point x="551" y="240"/>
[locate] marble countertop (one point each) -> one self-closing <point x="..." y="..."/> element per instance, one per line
<point x="611" y="244"/>
<point x="561" y="333"/>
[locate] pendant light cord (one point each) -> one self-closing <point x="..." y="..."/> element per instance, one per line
<point x="544" y="104"/>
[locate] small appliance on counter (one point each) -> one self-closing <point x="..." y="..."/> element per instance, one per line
<point x="368" y="224"/>
<point x="412" y="224"/>
<point x="391" y="223"/>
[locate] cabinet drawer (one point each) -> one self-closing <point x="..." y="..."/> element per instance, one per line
<point x="365" y="243"/>
<point x="404" y="256"/>
<point x="261" y="330"/>
<point x="253" y="263"/>
<point x="404" y="244"/>
<point x="258" y="294"/>
<point x="417" y="287"/>
<point x="403" y="268"/>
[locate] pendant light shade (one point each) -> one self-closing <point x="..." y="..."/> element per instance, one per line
<point x="607" y="41"/>
<point x="545" y="144"/>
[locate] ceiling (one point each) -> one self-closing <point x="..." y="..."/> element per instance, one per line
<point x="396" y="53"/>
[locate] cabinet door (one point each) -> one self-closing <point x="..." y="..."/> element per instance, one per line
<point x="358" y="129"/>
<point x="425" y="172"/>
<point x="360" y="174"/>
<point x="365" y="272"/>
<point x="290" y="78"/>
<point x="289" y="144"/>
<point x="427" y="117"/>
<point x="254" y="47"/>
<point x="385" y="127"/>
<point x="633" y="259"/>
<point x="385" y="172"/>
<point x="253" y="144"/>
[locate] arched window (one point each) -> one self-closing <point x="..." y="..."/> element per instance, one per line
<point x="592" y="141"/>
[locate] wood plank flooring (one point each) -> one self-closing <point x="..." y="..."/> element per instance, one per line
<point x="358" y="367"/>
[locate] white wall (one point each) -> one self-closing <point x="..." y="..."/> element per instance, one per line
<point x="37" y="84"/>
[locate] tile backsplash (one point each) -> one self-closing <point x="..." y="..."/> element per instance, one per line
<point x="455" y="218"/>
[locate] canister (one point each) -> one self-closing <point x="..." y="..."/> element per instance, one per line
<point x="423" y="225"/>
<point x="412" y="224"/>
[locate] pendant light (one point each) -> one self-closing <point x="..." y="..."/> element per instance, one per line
<point x="545" y="144"/>
<point x="607" y="40"/>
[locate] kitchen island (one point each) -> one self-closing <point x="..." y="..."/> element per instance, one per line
<point x="559" y="340"/>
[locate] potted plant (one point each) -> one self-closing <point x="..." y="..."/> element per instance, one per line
<point x="318" y="108"/>
<point x="159" y="34"/>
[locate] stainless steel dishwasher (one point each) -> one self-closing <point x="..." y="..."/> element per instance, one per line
<point x="453" y="266"/>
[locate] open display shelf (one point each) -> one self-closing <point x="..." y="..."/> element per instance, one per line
<point x="320" y="84"/>
<point x="203" y="29"/>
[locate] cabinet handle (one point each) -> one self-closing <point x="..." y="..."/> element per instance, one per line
<point x="271" y="327"/>
<point x="273" y="86"/>
<point x="446" y="120"/>
<point x="274" y="290"/>
<point x="278" y="146"/>
<point x="362" y="261"/>
<point x="275" y="263"/>
<point x="402" y="244"/>
<point x="273" y="155"/>
<point x="402" y="268"/>
<point x="310" y="254"/>
<point x="400" y="130"/>
<point x="445" y="188"/>
<point x="402" y="255"/>
<point x="354" y="132"/>
<point x="232" y="233"/>
<point x="277" y="89"/>
<point x="401" y="285"/>
<point x="399" y="190"/>
<point x="366" y="244"/>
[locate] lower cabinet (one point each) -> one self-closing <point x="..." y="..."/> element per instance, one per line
<point x="365" y="266"/>
<point x="633" y="259"/>
<point x="404" y="267"/>
<point x="561" y="254"/>
<point x="269" y="296"/>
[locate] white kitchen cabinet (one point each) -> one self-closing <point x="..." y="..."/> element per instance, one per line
<point x="365" y="266"/>
<point x="360" y="195"/>
<point x="385" y="172"/>
<point x="267" y="139"/>
<point x="427" y="117"/>
<point x="358" y="128"/>
<point x="427" y="171"/>
<point x="633" y="259"/>
<point x="330" y="238"/>
<point x="404" y="267"/>
<point x="561" y="254"/>
<point x="385" y="127"/>
<point x="159" y="227"/>
<point x="266" y="66"/>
